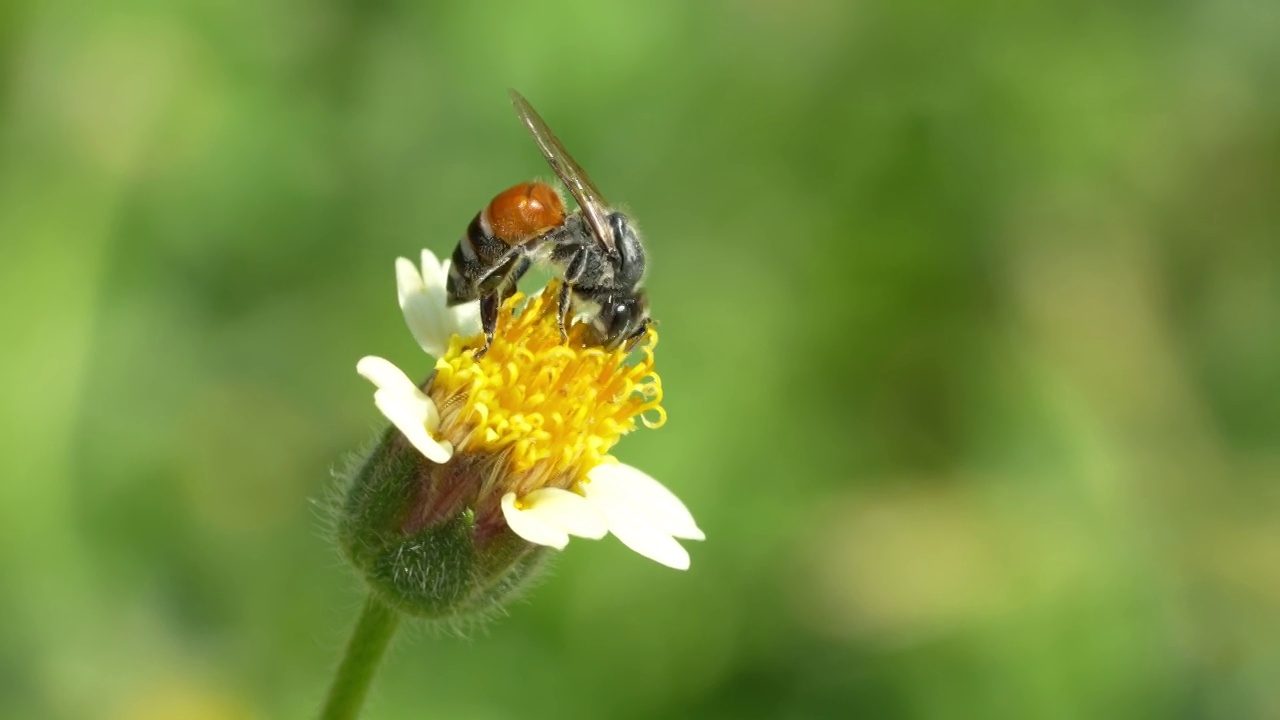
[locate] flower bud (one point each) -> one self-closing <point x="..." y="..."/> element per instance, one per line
<point x="409" y="526"/>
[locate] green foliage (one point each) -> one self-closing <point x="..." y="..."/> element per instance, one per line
<point x="969" y="346"/>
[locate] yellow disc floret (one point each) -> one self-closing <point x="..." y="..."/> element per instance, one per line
<point x="555" y="408"/>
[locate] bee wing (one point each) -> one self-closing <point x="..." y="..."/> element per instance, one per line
<point x="570" y="173"/>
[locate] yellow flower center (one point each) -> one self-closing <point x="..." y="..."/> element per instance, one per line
<point x="555" y="407"/>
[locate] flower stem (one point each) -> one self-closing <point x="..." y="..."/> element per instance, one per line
<point x="378" y="622"/>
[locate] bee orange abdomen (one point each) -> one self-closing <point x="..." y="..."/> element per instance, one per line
<point x="523" y="212"/>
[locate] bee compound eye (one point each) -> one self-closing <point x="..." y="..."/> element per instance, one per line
<point x="620" y="323"/>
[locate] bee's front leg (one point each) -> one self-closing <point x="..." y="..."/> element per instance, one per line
<point x="637" y="335"/>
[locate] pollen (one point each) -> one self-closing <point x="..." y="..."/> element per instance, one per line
<point x="553" y="408"/>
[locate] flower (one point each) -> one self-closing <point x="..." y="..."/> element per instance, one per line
<point x="522" y="435"/>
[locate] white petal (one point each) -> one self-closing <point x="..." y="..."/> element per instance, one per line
<point x="385" y="375"/>
<point x="408" y="279"/>
<point x="415" y="417"/>
<point x="407" y="407"/>
<point x="566" y="510"/>
<point x="434" y="272"/>
<point x="424" y="302"/>
<point x="531" y="526"/>
<point x="645" y="498"/>
<point x="466" y="319"/>
<point x="430" y="321"/>
<point x="637" y="534"/>
<point x="465" y="316"/>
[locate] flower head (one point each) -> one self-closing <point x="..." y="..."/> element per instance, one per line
<point x="512" y="449"/>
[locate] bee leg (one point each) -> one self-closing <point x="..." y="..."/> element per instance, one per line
<point x="562" y="313"/>
<point x="489" y="303"/>
<point x="575" y="267"/>
<point x="572" y="272"/>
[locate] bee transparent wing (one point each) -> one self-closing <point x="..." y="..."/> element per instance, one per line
<point x="593" y="206"/>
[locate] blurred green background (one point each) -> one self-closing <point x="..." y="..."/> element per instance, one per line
<point x="970" y="321"/>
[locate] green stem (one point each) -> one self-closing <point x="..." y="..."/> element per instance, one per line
<point x="378" y="622"/>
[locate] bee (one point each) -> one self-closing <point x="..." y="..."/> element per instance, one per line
<point x="595" y="250"/>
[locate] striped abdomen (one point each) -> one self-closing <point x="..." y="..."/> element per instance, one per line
<point x="488" y="256"/>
